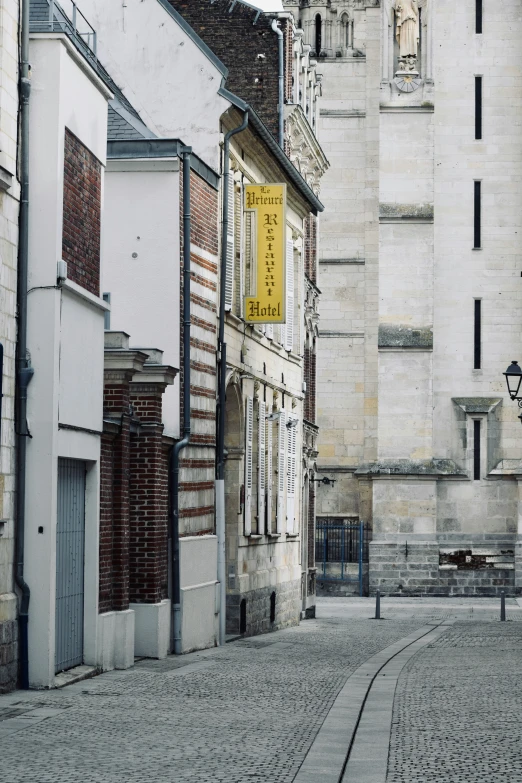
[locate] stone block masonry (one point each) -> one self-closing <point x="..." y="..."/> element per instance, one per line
<point x="8" y="655"/>
<point x="81" y="214"/>
<point x="257" y="612"/>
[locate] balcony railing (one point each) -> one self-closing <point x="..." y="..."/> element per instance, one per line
<point x="67" y="18"/>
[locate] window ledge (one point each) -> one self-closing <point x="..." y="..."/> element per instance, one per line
<point x="292" y="535"/>
<point x="254" y="537"/>
<point x="273" y="535"/>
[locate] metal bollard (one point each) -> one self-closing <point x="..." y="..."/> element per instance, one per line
<point x="378" y="605"/>
<point x="502" y="605"/>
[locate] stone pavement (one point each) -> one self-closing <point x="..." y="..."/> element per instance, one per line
<point x="253" y="711"/>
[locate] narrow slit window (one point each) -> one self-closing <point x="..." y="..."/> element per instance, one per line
<point x="478" y="16"/>
<point x="476" y="450"/>
<point x="318" y="34"/>
<point x="477" y="206"/>
<point x="478" y="107"/>
<point x="477" y="363"/>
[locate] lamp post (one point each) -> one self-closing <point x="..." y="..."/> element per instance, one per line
<point x="513" y="376"/>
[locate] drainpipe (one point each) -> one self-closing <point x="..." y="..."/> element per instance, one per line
<point x="24" y="371"/>
<point x="222" y="372"/>
<point x="281" y="107"/>
<point x="185" y="440"/>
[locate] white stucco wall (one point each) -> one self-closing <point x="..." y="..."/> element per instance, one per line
<point x="141" y="245"/>
<point x="160" y="69"/>
<point x="65" y="341"/>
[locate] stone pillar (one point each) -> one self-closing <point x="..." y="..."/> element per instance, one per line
<point x="148" y="547"/>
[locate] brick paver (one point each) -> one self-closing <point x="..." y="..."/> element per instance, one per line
<point x="458" y="709"/>
<point x="246" y="712"/>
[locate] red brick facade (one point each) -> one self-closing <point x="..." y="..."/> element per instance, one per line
<point x="309" y="367"/>
<point x="310" y="248"/>
<point x="148" y="555"/>
<point x="81" y="214"/>
<point x="197" y="461"/>
<point x="134" y="489"/>
<point x="228" y="32"/>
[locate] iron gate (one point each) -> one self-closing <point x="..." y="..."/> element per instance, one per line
<point x="341" y="548"/>
<point x="70" y="557"/>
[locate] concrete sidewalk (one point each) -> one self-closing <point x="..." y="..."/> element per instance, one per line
<point x="253" y="711"/>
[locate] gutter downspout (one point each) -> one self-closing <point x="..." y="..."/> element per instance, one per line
<point x="24" y="371"/>
<point x="277" y="30"/>
<point x="185" y="440"/>
<point x="222" y="372"/>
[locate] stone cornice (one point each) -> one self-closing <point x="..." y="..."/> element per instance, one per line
<point x="305" y="151"/>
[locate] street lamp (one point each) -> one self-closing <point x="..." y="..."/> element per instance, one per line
<point x="514" y="379"/>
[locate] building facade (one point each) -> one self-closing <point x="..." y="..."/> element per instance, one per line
<point x="420" y="286"/>
<point x="9" y="209"/>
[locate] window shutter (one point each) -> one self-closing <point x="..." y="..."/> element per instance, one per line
<point x="289" y="329"/>
<point x="261" y="469"/>
<point x="229" y="279"/>
<point x="269" y="477"/>
<point x="290" y="487"/>
<point x="281" y="448"/>
<point x="239" y="234"/>
<point x="269" y="331"/>
<point x="249" y="433"/>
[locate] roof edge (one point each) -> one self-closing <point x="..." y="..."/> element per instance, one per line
<point x="120" y="149"/>
<point x="209" y="54"/>
<point x="293" y="174"/>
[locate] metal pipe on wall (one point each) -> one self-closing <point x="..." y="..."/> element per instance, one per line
<point x="222" y="371"/>
<point x="185" y="439"/>
<point x="24" y="371"/>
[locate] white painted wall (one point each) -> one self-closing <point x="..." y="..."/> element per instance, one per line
<point x="142" y="39"/>
<point x="141" y="214"/>
<point x="9" y="209"/>
<point x="65" y="341"/>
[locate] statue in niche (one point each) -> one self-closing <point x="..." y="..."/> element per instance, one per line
<point x="407" y="33"/>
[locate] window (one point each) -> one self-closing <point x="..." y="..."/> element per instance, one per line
<point x="318" y="34"/>
<point x="477" y="209"/>
<point x="476" y="450"/>
<point x="478" y="107"/>
<point x="477" y="363"/>
<point x="478" y="16"/>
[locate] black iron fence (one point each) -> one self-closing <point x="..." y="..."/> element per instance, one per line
<point x="341" y="549"/>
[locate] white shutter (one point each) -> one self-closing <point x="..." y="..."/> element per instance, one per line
<point x="269" y="476"/>
<point x="229" y="279"/>
<point x="261" y="469"/>
<point x="289" y="329"/>
<point x="281" y="461"/>
<point x="249" y="434"/>
<point x="269" y="331"/>
<point x="291" y="471"/>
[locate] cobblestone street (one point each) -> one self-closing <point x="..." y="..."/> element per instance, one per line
<point x="256" y="709"/>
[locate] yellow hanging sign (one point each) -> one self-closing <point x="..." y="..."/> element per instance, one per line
<point x="265" y="303"/>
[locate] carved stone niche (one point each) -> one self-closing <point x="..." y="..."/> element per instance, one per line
<point x="406" y="52"/>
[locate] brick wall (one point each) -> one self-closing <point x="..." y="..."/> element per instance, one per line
<point x="309" y="373"/>
<point x="148" y="552"/>
<point x="81" y="214"/>
<point x="237" y="42"/>
<point x="106" y="522"/>
<point x="197" y="463"/>
<point x="310" y="248"/>
<point x="115" y="500"/>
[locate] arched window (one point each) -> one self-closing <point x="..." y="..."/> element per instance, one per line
<point x="318" y="34"/>
<point x="345" y="32"/>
